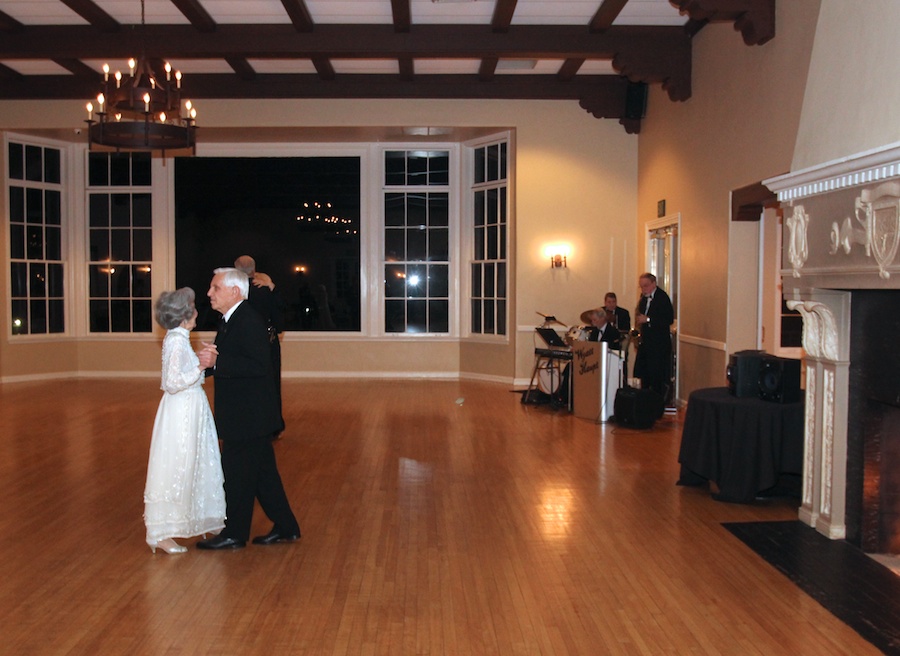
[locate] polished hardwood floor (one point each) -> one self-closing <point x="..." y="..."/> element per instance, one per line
<point x="437" y="517"/>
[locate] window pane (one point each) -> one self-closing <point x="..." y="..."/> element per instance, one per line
<point x="19" y="279"/>
<point x="479" y="165"/>
<point x="56" y="320"/>
<point x="38" y="318"/>
<point x="416" y="281"/>
<point x="142" y="321"/>
<point x="395" y="167"/>
<point x="17" y="241"/>
<point x="395" y="280"/>
<point x="394" y="245"/>
<point x="99" y="210"/>
<point x="476" y="280"/>
<point x="19" y="317"/>
<point x="54" y="245"/>
<point x="120" y="214"/>
<point x="120" y="284"/>
<point x="37" y="277"/>
<point x="478" y="208"/>
<point x="489" y="316"/>
<point x="501" y="279"/>
<point x="439" y="244"/>
<point x="142" y="213"/>
<point x="416" y="316"/>
<point x="476" y="315"/>
<point x="120" y="316"/>
<point x="34" y="164"/>
<point x="17" y="204"/>
<point x="53" y="211"/>
<point x="493" y="162"/>
<point x="140" y="169"/>
<point x="140" y="281"/>
<point x="416" y="214"/>
<point x="99" y="282"/>
<point x="503" y="171"/>
<point x="438" y="316"/>
<point x="99" y="245"/>
<point x="34" y="206"/>
<point x="395" y="316"/>
<point x="416" y="244"/>
<point x="493" y="252"/>
<point x="438" y="280"/>
<point x="52" y="169"/>
<point x="501" y="317"/>
<point x="417" y="168"/>
<point x="439" y="168"/>
<point x="99" y="316"/>
<point x="142" y="245"/>
<point x="55" y="280"/>
<point x="489" y="280"/>
<point x="478" y="243"/>
<point x="98" y="169"/>
<point x="120" y="243"/>
<point x="438" y="210"/>
<point x="395" y="209"/>
<point x="34" y="242"/>
<point x="492" y="207"/>
<point x="16" y="163"/>
<point x="119" y="169"/>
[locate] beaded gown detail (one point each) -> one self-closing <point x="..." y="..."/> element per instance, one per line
<point x="184" y="495"/>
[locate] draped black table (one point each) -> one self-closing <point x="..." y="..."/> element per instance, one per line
<point x="742" y="444"/>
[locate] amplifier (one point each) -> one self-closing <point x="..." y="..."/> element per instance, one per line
<point x="637" y="408"/>
<point x="743" y="373"/>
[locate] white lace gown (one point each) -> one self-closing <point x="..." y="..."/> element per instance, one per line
<point x="184" y="495"/>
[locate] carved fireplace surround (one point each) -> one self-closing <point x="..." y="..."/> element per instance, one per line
<point x="841" y="234"/>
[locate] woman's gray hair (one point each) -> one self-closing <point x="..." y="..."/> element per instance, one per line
<point x="174" y="307"/>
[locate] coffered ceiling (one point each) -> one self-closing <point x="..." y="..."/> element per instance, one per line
<point x="600" y="53"/>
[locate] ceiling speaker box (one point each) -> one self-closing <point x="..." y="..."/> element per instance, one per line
<point x="779" y="380"/>
<point x="742" y="373"/>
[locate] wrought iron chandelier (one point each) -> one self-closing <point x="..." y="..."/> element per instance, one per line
<point x="142" y="110"/>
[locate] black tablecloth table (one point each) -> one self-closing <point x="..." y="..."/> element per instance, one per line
<point x="742" y="444"/>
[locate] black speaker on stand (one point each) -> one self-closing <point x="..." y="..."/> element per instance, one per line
<point x="779" y="380"/>
<point x="743" y="373"/>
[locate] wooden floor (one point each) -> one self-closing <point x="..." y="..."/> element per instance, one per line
<point x="437" y="518"/>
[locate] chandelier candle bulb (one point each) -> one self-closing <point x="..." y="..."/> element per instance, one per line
<point x="178" y="79"/>
<point x="90" y="110"/>
<point x="106" y="72"/>
<point x="118" y="79"/>
<point x="168" y="71"/>
<point x="147" y="102"/>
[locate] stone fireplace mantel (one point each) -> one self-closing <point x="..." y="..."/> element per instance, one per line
<point x="841" y="233"/>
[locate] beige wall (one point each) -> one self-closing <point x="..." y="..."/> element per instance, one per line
<point x="576" y="181"/>
<point x="852" y="95"/>
<point x="739" y="127"/>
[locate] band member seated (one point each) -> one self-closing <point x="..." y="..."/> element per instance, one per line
<point x="601" y="328"/>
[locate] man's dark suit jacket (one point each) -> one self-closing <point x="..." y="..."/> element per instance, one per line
<point x="246" y="401"/>
<point x="611" y="335"/>
<point x="653" y="362"/>
<point x="623" y="319"/>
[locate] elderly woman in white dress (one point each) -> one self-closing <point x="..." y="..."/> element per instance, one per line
<point x="184" y="495"/>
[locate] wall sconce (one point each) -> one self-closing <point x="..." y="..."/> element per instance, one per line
<point x="558" y="254"/>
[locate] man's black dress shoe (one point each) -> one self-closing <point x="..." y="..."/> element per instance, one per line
<point x="276" y="535"/>
<point x="220" y="542"/>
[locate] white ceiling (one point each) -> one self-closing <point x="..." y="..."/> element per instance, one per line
<point x="527" y="12"/>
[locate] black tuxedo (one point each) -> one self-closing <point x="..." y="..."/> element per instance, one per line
<point x="247" y="415"/>
<point x="623" y="320"/>
<point x="611" y="335"/>
<point x="653" y="364"/>
<point x="271" y="306"/>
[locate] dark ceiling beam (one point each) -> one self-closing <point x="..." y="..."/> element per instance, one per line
<point x="407" y="69"/>
<point x="402" y="15"/>
<point x="8" y="74"/>
<point x="487" y="68"/>
<point x="324" y="68"/>
<point x="93" y="15"/>
<point x="503" y="14"/>
<point x="211" y="85"/>
<point x="77" y="67"/>
<point x="9" y="24"/>
<point x="350" y="41"/>
<point x="754" y="19"/>
<point x="606" y="14"/>
<point x="569" y="69"/>
<point x="301" y="19"/>
<point x="242" y="68"/>
<point x="196" y="14"/>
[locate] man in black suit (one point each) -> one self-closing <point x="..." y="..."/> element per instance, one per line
<point x="265" y="300"/>
<point x="654" y="318"/>
<point x="246" y="413"/>
<point x="621" y="319"/>
<point x="602" y="329"/>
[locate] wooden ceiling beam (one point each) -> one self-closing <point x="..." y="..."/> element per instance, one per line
<point x="351" y="41"/>
<point x="196" y="14"/>
<point x="94" y="15"/>
<point x="608" y="11"/>
<point x="299" y="14"/>
<point x="503" y="14"/>
<point x="754" y="19"/>
<point x="402" y="15"/>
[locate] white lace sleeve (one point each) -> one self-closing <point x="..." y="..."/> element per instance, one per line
<point x="180" y="366"/>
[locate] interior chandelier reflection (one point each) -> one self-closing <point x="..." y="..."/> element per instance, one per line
<point x="317" y="214"/>
<point x="142" y="110"/>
